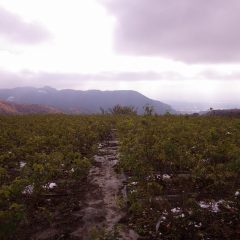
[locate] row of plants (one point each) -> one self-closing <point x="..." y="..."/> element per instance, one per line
<point x="44" y="161"/>
<point x="183" y="176"/>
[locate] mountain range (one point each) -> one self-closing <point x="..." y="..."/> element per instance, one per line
<point x="77" y="101"/>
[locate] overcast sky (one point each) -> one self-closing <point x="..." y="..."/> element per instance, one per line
<point x="185" y="50"/>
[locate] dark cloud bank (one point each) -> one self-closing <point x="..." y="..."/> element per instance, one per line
<point x="12" y="79"/>
<point x="15" y="29"/>
<point x="193" y="31"/>
<point x="64" y="80"/>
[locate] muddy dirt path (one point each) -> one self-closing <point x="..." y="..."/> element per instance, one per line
<point x="101" y="211"/>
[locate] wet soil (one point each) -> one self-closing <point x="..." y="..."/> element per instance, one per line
<point x="102" y="211"/>
<point x="98" y="211"/>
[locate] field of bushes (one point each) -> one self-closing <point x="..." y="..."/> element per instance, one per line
<point x="183" y="176"/>
<point x="182" y="172"/>
<point x="44" y="161"/>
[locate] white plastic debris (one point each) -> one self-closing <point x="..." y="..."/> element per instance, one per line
<point x="22" y="164"/>
<point x="28" y="190"/>
<point x="166" y="176"/>
<point x="52" y="185"/>
<point x="163" y="218"/>
<point x="198" y="225"/>
<point x="213" y="206"/>
<point x="133" y="183"/>
<point x="158" y="176"/>
<point x="176" y="210"/>
<point x="237" y="194"/>
<point x="203" y="204"/>
<point x="133" y="191"/>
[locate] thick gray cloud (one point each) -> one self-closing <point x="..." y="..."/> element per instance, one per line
<point x="193" y="31"/>
<point x="70" y="80"/>
<point x="15" y="29"/>
<point x="63" y="80"/>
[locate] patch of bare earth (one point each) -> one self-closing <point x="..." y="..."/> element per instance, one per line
<point x="98" y="209"/>
<point x="102" y="212"/>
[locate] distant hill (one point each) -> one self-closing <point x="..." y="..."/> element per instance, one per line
<point x="76" y="101"/>
<point x="8" y="108"/>
<point x="225" y="112"/>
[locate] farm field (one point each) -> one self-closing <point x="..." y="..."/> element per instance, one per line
<point x="180" y="175"/>
<point x="44" y="163"/>
<point x="183" y="176"/>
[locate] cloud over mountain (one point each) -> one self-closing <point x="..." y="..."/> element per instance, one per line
<point x="29" y="78"/>
<point x="68" y="79"/>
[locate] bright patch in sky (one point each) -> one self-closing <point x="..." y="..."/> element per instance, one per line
<point x="72" y="44"/>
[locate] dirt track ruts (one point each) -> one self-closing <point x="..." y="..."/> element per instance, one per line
<point x="101" y="211"/>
